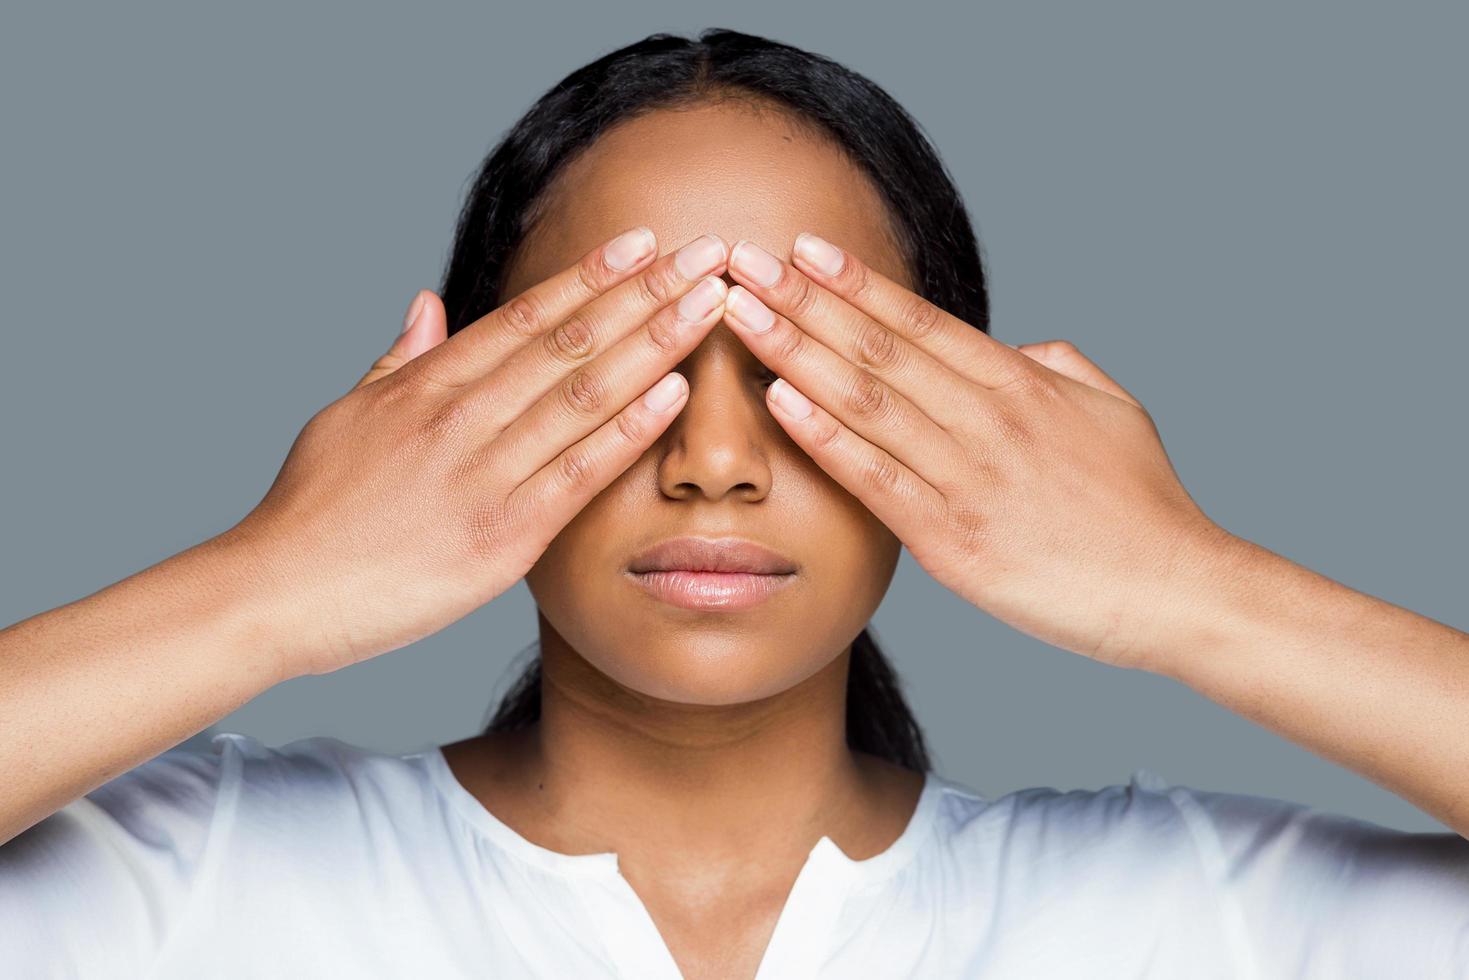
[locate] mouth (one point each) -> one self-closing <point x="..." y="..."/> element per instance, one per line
<point x="724" y="574"/>
<point x="726" y="591"/>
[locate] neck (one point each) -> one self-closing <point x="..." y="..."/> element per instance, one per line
<point x="687" y="789"/>
<point x="617" y="770"/>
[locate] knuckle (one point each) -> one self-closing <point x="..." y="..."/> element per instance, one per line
<point x="1036" y="384"/>
<point x="631" y="427"/>
<point x="591" y="279"/>
<point x="857" y="279"/>
<point x="584" y="393"/>
<point x="826" y="435"/>
<point x="879" y="473"/>
<point x="446" y="419"/>
<point x="572" y="340"/>
<point x="655" y="289"/>
<point x="982" y="468"/>
<point x="1013" y="429"/>
<point x="877" y="348"/>
<point x="524" y="315"/>
<point x="788" y="345"/>
<point x="575" y="470"/>
<point x="802" y="296"/>
<point x="921" y="317"/>
<point x="663" y="334"/>
<point x="970" y="526"/>
<point x="1148" y="419"/>
<point x="867" y="398"/>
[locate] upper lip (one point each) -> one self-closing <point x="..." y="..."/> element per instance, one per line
<point x="711" y="555"/>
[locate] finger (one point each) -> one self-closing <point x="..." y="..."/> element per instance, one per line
<point x="864" y="403"/>
<point x="424" y="326"/>
<point x="557" y="356"/>
<point x="1062" y="357"/>
<point x="481" y="345"/>
<point x="896" y="495"/>
<point x="562" y="489"/>
<point x="964" y="348"/>
<point x="602" y="387"/>
<point x="907" y="368"/>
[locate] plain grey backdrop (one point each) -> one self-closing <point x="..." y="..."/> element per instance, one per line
<point x="1251" y="214"/>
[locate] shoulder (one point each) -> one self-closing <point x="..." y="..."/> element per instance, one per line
<point x="1222" y="830"/>
<point x="313" y="781"/>
<point x="176" y="801"/>
<point x="1284" y="883"/>
<point x="142" y="847"/>
<point x="1069" y="819"/>
<point x="185" y="807"/>
<point x="1134" y="830"/>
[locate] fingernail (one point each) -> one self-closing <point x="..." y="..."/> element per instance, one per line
<point x="414" y="309"/>
<point x="699" y="257"/>
<point x="629" y="248"/>
<point x="754" y="315"/>
<point x="789" y="400"/>
<point x="822" y="254"/>
<point x="753" y="262"/>
<point x="700" y="301"/>
<point x="661" y="396"/>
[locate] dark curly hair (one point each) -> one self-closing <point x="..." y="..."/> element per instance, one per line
<point x="926" y="217"/>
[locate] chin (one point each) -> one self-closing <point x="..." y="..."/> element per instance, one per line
<point x="711" y="673"/>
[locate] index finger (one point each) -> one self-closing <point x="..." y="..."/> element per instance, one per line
<point x="473" y="350"/>
<point x="963" y="347"/>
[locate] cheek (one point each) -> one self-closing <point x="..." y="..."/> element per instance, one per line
<point x="582" y="553"/>
<point x="855" y="556"/>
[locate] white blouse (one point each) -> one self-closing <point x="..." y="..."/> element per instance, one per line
<point x="324" y="859"/>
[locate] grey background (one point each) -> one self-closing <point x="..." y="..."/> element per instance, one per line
<point x="1251" y="214"/>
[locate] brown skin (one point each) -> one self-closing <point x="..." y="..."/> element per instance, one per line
<point x="706" y="749"/>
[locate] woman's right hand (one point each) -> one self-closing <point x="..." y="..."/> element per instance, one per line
<point x="440" y="479"/>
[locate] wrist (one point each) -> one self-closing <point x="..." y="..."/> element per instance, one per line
<point x="249" y="597"/>
<point x="1210" y="601"/>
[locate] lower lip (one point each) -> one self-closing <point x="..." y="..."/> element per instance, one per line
<point x="712" y="590"/>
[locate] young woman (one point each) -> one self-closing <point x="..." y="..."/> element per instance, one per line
<point x="710" y="771"/>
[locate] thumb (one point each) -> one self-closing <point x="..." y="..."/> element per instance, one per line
<point x="425" y="326"/>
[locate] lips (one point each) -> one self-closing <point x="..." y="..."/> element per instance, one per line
<point x="733" y="555"/>
<point x="711" y="574"/>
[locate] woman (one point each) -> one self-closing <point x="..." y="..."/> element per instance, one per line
<point x="710" y="770"/>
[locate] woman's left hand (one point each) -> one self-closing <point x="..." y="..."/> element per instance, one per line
<point x="1025" y="480"/>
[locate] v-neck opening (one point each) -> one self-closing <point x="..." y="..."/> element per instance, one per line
<point x="869" y="869"/>
<point x="801" y="937"/>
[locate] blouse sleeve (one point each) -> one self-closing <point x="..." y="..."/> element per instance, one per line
<point x="94" y="889"/>
<point x="1315" y="894"/>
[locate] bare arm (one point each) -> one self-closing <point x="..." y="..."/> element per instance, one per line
<point x="1355" y="679"/>
<point x="91" y="689"/>
<point x="421" y="495"/>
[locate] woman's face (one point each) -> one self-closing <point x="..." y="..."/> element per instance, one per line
<point x="724" y="467"/>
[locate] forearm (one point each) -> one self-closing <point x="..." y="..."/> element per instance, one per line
<point x="94" y="688"/>
<point x="1368" y="684"/>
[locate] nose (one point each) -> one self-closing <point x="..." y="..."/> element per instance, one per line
<point x="718" y="445"/>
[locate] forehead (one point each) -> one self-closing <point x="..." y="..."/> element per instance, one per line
<point x="737" y="170"/>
